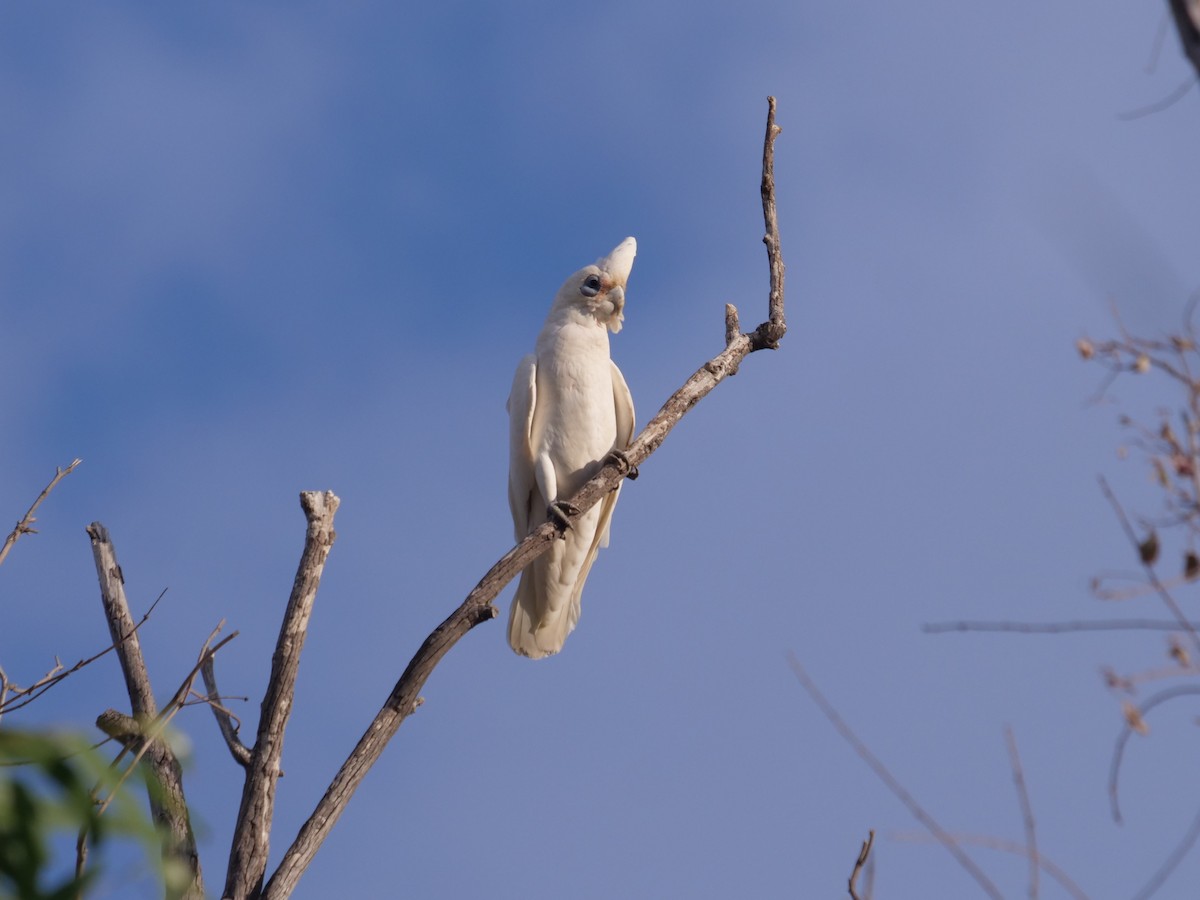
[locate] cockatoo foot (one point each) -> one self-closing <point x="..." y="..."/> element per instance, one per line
<point x="621" y="461"/>
<point x="561" y="511"/>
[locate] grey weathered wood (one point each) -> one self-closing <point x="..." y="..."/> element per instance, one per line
<point x="251" y="836"/>
<point x="168" y="805"/>
<point x="477" y="607"/>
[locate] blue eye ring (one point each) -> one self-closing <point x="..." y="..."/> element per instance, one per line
<point x="590" y="286"/>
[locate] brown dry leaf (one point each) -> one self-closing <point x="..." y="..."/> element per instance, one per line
<point x="1148" y="549"/>
<point x="1133" y="718"/>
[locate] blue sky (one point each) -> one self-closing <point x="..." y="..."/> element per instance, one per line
<point x="249" y="250"/>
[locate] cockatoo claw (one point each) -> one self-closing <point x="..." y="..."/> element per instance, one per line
<point x="561" y="511"/>
<point x="621" y="461"/>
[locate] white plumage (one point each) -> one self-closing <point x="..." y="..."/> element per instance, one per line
<point x="569" y="407"/>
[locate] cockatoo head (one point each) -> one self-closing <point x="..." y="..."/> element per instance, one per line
<point x="599" y="289"/>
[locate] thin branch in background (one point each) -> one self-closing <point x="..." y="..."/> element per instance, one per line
<point x="989" y="842"/>
<point x="1056" y="627"/>
<point x="1134" y="722"/>
<point x="477" y="607"/>
<point x="1174" y="858"/>
<point x="25" y="526"/>
<point x="1027" y="820"/>
<point x="58" y="673"/>
<point x="863" y="855"/>
<point x="1148" y="565"/>
<point x="897" y="789"/>
<point x="1159" y="105"/>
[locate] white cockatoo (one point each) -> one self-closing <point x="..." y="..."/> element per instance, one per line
<point x="569" y="408"/>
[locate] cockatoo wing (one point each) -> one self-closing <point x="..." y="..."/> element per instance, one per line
<point x="626" y="421"/>
<point x="522" y="401"/>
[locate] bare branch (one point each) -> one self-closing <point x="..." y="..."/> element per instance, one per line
<point x="994" y="843"/>
<point x="863" y="855"/>
<point x="1174" y="858"/>
<point x="1018" y="774"/>
<point x="25" y="526"/>
<point x="1056" y="627"/>
<point x="1132" y="720"/>
<point x="897" y="789"/>
<point x="168" y="805"/>
<point x="477" y="607"/>
<point x="25" y="696"/>
<point x="1147" y="561"/>
<point x="251" y="835"/>
<point x="225" y="719"/>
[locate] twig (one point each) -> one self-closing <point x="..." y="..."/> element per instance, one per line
<point x="168" y="806"/>
<point x="897" y="789"/>
<point x="58" y="673"/>
<point x="1159" y="105"/>
<point x="1056" y="627"/>
<point x="994" y="843"/>
<point x="251" y="835"/>
<point x="863" y="855"/>
<point x="25" y="526"/>
<point x="229" y="730"/>
<point x="477" y="607"/>
<point x="1174" y="858"/>
<point x="1114" y="769"/>
<point x="1018" y="775"/>
<point x="1148" y="566"/>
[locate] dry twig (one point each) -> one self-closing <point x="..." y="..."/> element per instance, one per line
<point x="863" y="855"/>
<point x="25" y="526"/>
<point x="25" y="696"/>
<point x="999" y="844"/>
<point x="1027" y="820"/>
<point x="916" y="809"/>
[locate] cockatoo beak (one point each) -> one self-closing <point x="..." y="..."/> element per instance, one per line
<point x="619" y="263"/>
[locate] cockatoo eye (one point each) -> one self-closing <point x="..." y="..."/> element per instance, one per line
<point x="590" y="286"/>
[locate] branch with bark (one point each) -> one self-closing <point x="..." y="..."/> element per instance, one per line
<point x="477" y="607"/>
<point x="142" y="732"/>
<point x="168" y="806"/>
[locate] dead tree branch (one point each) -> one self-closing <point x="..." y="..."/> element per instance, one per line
<point x="1135" y="722"/>
<point x="910" y="802"/>
<point x="25" y="526"/>
<point x="477" y="607"/>
<point x="168" y="806"/>
<point x="24" y="696"/>
<point x="229" y="729"/>
<point x="251" y="835"/>
<point x="1027" y="819"/>
<point x="1056" y="627"/>
<point x="863" y="855"/>
<point x="989" y="842"/>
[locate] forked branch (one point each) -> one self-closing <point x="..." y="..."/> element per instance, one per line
<point x="167" y="803"/>
<point x="477" y="607"/>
